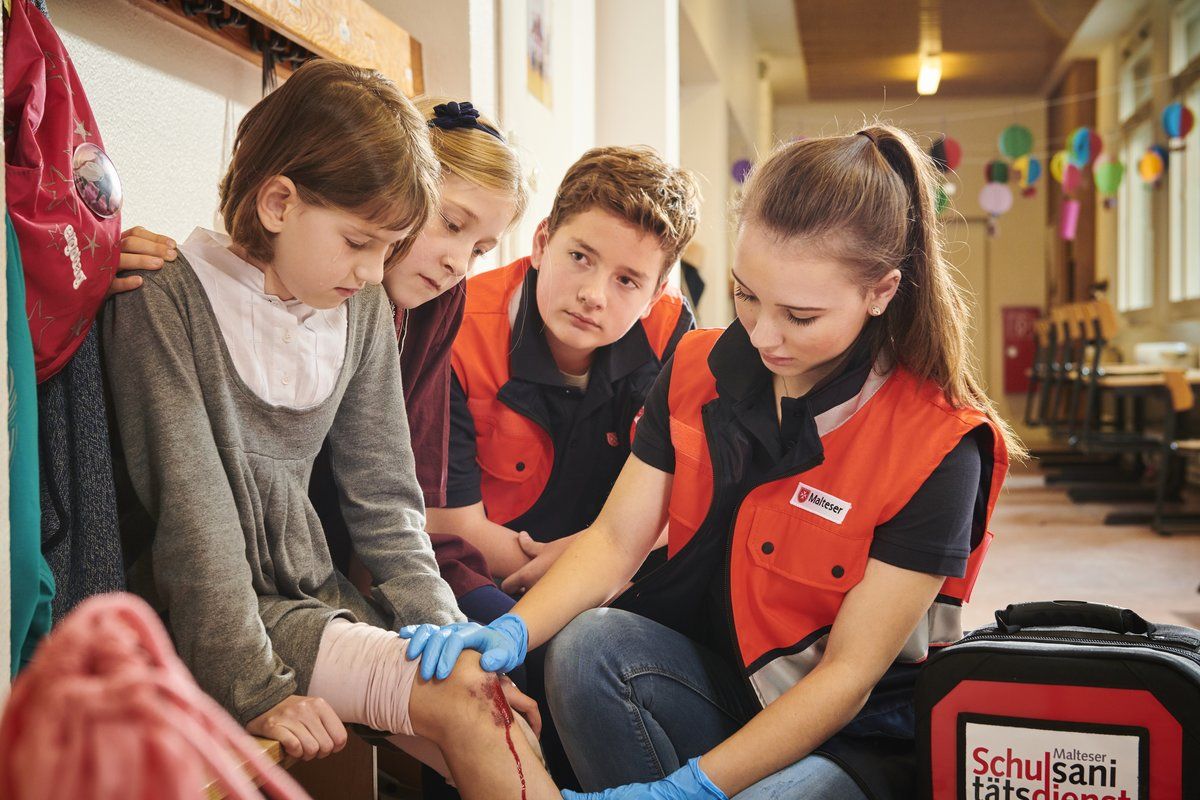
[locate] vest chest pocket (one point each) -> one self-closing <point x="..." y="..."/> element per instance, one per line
<point x="787" y="545"/>
<point x="507" y="452"/>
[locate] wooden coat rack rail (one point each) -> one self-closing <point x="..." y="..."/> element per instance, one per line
<point x="289" y="32"/>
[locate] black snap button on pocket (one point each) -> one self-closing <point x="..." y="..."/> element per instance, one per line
<point x="838" y="571"/>
<point x="768" y="548"/>
<point x="520" y="466"/>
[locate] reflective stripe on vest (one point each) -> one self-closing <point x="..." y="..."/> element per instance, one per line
<point x="801" y="543"/>
<point x="515" y="454"/>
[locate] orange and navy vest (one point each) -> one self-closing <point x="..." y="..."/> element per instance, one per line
<point x="516" y="454"/>
<point x="801" y="542"/>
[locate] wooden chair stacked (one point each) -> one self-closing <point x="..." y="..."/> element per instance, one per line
<point x="1118" y="426"/>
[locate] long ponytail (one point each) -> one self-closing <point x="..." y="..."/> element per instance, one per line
<point x="869" y="198"/>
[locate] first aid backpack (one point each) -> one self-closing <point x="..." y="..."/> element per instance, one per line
<point x="1062" y="700"/>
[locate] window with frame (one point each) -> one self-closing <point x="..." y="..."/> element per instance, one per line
<point x="1135" y="257"/>
<point x="1184" y="166"/>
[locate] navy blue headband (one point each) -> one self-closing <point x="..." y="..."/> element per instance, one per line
<point x="454" y="116"/>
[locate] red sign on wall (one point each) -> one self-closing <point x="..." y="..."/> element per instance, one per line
<point x="1019" y="346"/>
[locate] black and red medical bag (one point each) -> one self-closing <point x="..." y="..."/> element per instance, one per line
<point x="1062" y="700"/>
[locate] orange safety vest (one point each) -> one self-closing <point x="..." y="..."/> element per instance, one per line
<point x="800" y="543"/>
<point x="516" y="454"/>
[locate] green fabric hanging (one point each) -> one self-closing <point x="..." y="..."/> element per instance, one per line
<point x="32" y="582"/>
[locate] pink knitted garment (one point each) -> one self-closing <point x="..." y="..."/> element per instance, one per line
<point x="106" y="710"/>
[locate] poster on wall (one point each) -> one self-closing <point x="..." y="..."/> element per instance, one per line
<point x="537" y="51"/>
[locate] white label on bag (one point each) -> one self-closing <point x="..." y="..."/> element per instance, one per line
<point x="820" y="503"/>
<point x="1015" y="762"/>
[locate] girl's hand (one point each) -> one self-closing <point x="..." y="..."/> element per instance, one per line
<point x="306" y="727"/>
<point x="523" y="704"/>
<point x="141" y="249"/>
<point x="687" y="783"/>
<point x="502" y="642"/>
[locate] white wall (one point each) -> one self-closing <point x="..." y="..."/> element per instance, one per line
<point x="637" y="74"/>
<point x="167" y="103"/>
<point x="1006" y="270"/>
<point x="724" y="32"/>
<point x="550" y="138"/>
<point x="704" y="150"/>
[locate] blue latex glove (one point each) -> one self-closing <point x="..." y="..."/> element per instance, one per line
<point x="686" y="783"/>
<point x="502" y="644"/>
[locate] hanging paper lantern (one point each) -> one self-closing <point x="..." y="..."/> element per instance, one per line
<point x="1177" y="121"/>
<point x="1016" y="141"/>
<point x="1152" y="164"/>
<point x="1068" y="219"/>
<point x="995" y="199"/>
<point x="1072" y="179"/>
<point x="1108" y="176"/>
<point x="1028" y="170"/>
<point x="1058" y="164"/>
<point x="741" y="170"/>
<point x="1085" y="145"/>
<point x="946" y="154"/>
<point x="943" y="200"/>
<point x="996" y="172"/>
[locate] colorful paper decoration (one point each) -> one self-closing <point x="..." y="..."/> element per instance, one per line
<point x="1016" y="141"/>
<point x="995" y="199"/>
<point x="1068" y="219"/>
<point x="946" y="154"/>
<point x="996" y="172"/>
<point x="1177" y="121"/>
<point x="1152" y="164"/>
<point x="1072" y="179"/>
<point x="1085" y="146"/>
<point x="943" y="200"/>
<point x="1058" y="164"/>
<point x="741" y="170"/>
<point x="1029" y="171"/>
<point x="1108" y="176"/>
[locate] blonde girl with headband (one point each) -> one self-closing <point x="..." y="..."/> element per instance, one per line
<point x="826" y="466"/>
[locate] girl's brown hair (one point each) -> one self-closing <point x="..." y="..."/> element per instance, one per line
<point x="348" y="138"/>
<point x="868" y="200"/>
<point x="478" y="157"/>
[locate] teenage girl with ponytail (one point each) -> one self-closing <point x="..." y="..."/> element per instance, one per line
<point x="827" y="466"/>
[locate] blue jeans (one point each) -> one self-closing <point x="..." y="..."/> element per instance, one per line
<point x="635" y="700"/>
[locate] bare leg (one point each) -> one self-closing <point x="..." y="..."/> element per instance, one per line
<point x="488" y="753"/>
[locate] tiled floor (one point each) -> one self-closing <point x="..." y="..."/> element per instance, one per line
<point x="1048" y="548"/>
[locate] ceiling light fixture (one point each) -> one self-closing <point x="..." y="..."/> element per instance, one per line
<point x="930" y="75"/>
<point x="929" y="47"/>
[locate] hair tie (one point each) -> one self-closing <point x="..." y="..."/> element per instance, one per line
<point x="870" y="137"/>
<point x="457" y="115"/>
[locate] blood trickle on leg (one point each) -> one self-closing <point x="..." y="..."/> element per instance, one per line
<point x="502" y="716"/>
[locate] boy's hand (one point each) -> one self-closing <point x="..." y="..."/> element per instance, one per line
<point x="542" y="556"/>
<point x="141" y="249"/>
<point x="306" y="727"/>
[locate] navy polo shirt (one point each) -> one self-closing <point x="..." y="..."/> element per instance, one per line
<point x="589" y="429"/>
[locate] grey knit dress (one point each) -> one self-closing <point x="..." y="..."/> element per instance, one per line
<point x="229" y="547"/>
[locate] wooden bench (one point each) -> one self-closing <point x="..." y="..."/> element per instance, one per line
<point x="348" y="775"/>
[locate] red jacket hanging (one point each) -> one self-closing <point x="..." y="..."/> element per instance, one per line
<point x="63" y="193"/>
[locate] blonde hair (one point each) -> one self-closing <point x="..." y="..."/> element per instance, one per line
<point x="478" y="157"/>
<point x="348" y="138"/>
<point x="869" y="201"/>
<point x="635" y="184"/>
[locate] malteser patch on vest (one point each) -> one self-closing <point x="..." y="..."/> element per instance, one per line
<point x="822" y="504"/>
